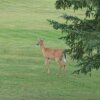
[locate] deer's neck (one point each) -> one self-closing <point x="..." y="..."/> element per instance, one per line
<point x="42" y="46"/>
<point x="42" y="49"/>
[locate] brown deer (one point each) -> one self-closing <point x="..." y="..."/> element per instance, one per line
<point x="49" y="53"/>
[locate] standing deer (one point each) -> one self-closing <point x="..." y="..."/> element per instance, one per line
<point x="49" y="53"/>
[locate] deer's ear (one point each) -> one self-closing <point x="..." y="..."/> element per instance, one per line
<point x="38" y="39"/>
<point x="41" y="39"/>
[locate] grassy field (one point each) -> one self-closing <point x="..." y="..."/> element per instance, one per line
<point x="22" y="70"/>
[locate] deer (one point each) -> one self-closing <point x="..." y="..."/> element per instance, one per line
<point x="58" y="55"/>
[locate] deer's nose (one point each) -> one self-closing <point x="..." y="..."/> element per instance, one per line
<point x="37" y="43"/>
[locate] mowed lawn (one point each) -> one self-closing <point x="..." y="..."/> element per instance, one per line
<point x="22" y="69"/>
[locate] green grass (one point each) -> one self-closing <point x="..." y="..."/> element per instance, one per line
<point x="22" y="70"/>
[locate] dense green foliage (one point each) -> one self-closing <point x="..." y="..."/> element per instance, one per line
<point x="82" y="35"/>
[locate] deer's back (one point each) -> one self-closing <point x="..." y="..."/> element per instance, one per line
<point x="52" y="53"/>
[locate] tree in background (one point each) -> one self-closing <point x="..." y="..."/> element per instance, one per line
<point x="82" y="35"/>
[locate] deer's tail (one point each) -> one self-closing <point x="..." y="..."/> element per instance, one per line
<point x="64" y="55"/>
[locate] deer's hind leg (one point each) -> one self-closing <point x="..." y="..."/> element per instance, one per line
<point x="61" y="65"/>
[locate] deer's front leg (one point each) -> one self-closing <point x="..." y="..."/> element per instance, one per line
<point x="47" y="65"/>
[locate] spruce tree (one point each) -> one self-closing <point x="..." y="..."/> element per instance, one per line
<point x="82" y="35"/>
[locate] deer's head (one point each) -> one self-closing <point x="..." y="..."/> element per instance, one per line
<point x="40" y="42"/>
